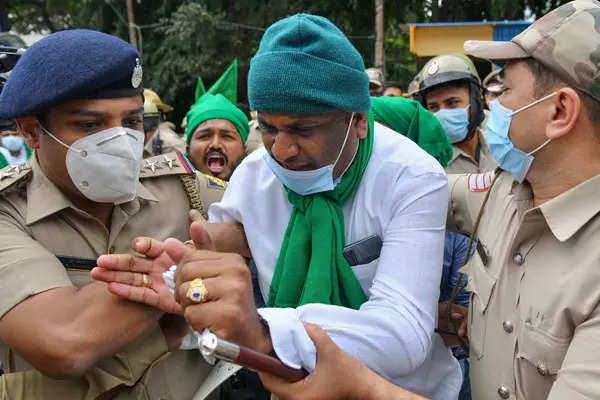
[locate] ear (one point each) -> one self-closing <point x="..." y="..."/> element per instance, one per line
<point x="360" y="124"/>
<point x="29" y="128"/>
<point x="566" y="109"/>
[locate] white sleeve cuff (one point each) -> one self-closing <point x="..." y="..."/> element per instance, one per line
<point x="290" y="341"/>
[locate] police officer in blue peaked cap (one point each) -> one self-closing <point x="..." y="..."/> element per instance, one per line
<point x="77" y="100"/>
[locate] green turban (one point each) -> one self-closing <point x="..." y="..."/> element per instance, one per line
<point x="211" y="106"/>
<point x="410" y="119"/>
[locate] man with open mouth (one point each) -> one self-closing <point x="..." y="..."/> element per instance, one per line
<point x="216" y="136"/>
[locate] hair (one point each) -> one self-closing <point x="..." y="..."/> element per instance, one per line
<point x="546" y="80"/>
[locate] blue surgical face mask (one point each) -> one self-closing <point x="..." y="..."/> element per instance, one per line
<point x="308" y="182"/>
<point x="508" y="156"/>
<point x="12" y="143"/>
<point x="455" y="122"/>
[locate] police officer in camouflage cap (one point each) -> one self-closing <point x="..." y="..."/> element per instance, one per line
<point x="534" y="318"/>
<point x="449" y="87"/>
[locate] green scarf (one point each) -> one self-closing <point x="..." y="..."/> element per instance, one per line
<point x="311" y="267"/>
<point x="410" y="119"/>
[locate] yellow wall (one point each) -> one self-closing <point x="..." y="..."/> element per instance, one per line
<point x="428" y="41"/>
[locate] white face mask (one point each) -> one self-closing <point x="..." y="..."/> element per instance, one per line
<point x="314" y="181"/>
<point x="105" y="166"/>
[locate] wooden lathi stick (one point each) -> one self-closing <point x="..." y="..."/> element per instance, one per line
<point x="213" y="348"/>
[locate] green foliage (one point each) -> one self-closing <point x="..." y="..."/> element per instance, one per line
<point x="27" y="16"/>
<point x="184" y="39"/>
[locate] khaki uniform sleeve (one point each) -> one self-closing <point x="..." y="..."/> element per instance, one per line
<point x="463" y="206"/>
<point x="578" y="375"/>
<point x="26" y="267"/>
<point x="125" y="368"/>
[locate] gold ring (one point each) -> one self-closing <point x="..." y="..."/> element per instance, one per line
<point x="145" y="280"/>
<point x="197" y="292"/>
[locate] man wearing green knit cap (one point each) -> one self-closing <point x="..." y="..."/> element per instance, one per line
<point x="216" y="133"/>
<point x="331" y="178"/>
<point x="344" y="219"/>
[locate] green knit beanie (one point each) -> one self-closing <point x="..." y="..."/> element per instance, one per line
<point x="211" y="106"/>
<point x="305" y="64"/>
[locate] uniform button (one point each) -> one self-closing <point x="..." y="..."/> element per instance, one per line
<point x="111" y="250"/>
<point x="542" y="369"/>
<point x="508" y="326"/>
<point x="518" y="259"/>
<point x="503" y="392"/>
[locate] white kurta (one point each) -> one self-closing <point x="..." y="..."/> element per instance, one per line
<point x="402" y="198"/>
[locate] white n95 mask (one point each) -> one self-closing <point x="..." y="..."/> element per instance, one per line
<point x="105" y="166"/>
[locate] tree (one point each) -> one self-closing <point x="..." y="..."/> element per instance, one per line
<point x="183" y="39"/>
<point x="27" y="16"/>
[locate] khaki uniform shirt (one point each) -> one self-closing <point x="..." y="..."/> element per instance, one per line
<point x="534" y="315"/>
<point x="170" y="141"/>
<point x="461" y="163"/>
<point x="38" y="223"/>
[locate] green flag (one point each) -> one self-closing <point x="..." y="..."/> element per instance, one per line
<point x="199" y="89"/>
<point x="227" y="83"/>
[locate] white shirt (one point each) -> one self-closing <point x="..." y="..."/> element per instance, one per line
<point x="402" y="198"/>
<point x="19" y="159"/>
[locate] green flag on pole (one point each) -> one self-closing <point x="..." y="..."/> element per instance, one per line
<point x="199" y="89"/>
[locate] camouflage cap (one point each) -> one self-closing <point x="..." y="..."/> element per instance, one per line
<point x="566" y="40"/>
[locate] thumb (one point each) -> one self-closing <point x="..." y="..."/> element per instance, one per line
<point x="176" y="249"/>
<point x="200" y="237"/>
<point x="323" y="343"/>
<point x="195" y="216"/>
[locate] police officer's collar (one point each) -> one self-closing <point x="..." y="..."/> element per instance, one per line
<point x="567" y="213"/>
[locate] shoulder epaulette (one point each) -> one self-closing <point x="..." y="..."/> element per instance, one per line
<point x="13" y="174"/>
<point x="213" y="183"/>
<point x="174" y="163"/>
<point x="480" y="182"/>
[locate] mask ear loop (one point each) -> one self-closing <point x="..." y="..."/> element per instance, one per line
<point x="529" y="106"/>
<point x="83" y="153"/>
<point x="532" y="152"/>
<point x="344" y="145"/>
<point x="534" y="103"/>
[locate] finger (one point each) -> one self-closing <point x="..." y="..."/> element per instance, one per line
<point x="147" y="246"/>
<point x="211" y="292"/>
<point x="127" y="278"/>
<point x="195" y="264"/>
<point x="323" y="343"/>
<point x="145" y="296"/>
<point x="200" y="237"/>
<point x="176" y="249"/>
<point x="124" y="262"/>
<point x="279" y="387"/>
<point x="462" y="329"/>
<point x="195" y="216"/>
<point x="457" y="316"/>
<point x="214" y="315"/>
<point x="204" y="266"/>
